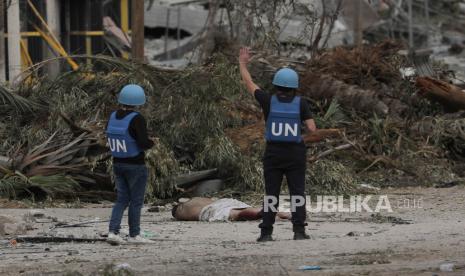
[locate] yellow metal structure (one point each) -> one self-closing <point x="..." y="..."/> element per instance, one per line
<point x="25" y="57"/>
<point x="51" y="38"/>
<point x="27" y="34"/>
<point x="54" y="43"/>
<point x="87" y="33"/>
<point x="57" y="48"/>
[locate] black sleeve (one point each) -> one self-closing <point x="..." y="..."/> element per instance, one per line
<point x="305" y="113"/>
<point x="263" y="99"/>
<point x="138" y="130"/>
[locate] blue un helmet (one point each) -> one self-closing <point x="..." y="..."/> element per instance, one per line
<point x="286" y="77"/>
<point x="132" y="94"/>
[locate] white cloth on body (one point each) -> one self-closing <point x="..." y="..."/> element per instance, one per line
<point x="220" y="209"/>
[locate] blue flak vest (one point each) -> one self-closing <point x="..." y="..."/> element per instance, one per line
<point x="121" y="143"/>
<point x="283" y="123"/>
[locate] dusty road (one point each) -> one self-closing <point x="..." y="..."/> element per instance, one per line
<point x="376" y="246"/>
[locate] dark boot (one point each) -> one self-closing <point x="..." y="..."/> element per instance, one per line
<point x="265" y="235"/>
<point x="301" y="236"/>
<point x="264" y="238"/>
<point x="299" y="233"/>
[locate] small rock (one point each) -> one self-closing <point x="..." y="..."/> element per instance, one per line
<point x="30" y="226"/>
<point x="154" y="209"/>
<point x="73" y="252"/>
<point x="37" y="213"/>
<point x="358" y="234"/>
<point x="456" y="49"/>
<point x="123" y="266"/>
<point x="14" y="228"/>
<point x="43" y="220"/>
<point x="447" y="267"/>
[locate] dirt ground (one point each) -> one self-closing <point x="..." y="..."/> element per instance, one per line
<point x="375" y="245"/>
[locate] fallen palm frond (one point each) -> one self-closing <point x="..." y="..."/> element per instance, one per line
<point x="326" y="177"/>
<point x="38" y="187"/>
<point x="447" y="132"/>
<point x="55" y="155"/>
<point x="38" y="171"/>
<point x="366" y="66"/>
<point x="10" y="99"/>
<point x="219" y="152"/>
<point x="203" y="119"/>
<point x="163" y="167"/>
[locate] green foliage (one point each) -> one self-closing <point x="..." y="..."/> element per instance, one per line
<point x="218" y="152"/>
<point x="384" y="135"/>
<point x="18" y="185"/>
<point x="163" y="166"/>
<point x="250" y="175"/>
<point x="187" y="112"/>
<point x="327" y="177"/>
<point x="332" y="118"/>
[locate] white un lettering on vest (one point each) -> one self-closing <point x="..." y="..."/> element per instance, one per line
<point x="288" y="129"/>
<point x="117" y="145"/>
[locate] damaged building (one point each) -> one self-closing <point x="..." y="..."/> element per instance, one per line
<point x="37" y="30"/>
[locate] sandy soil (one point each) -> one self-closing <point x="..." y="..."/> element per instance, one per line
<point x="377" y="246"/>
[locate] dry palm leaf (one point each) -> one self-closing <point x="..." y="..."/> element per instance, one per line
<point x="18" y="103"/>
<point x="55" y="156"/>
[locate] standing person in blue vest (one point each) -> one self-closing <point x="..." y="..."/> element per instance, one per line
<point x="285" y="152"/>
<point x="128" y="139"/>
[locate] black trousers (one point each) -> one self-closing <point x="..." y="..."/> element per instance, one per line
<point x="284" y="160"/>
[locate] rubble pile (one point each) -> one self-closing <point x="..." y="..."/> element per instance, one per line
<point x="380" y="127"/>
<point x="56" y="129"/>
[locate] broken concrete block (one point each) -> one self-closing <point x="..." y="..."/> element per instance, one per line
<point x="14" y="229"/>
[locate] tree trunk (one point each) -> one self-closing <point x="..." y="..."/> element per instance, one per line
<point x="138" y="30"/>
<point x="321" y="134"/>
<point x="321" y="87"/>
<point x="448" y="95"/>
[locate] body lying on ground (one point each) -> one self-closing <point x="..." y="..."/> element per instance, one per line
<point x="225" y="209"/>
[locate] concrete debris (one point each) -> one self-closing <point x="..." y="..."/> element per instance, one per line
<point x="123" y="266"/>
<point x="10" y="226"/>
<point x="115" y="36"/>
<point x="447" y="267"/>
<point x="359" y="234"/>
<point x="156" y="209"/>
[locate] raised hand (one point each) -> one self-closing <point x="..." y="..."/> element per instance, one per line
<point x="244" y="55"/>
